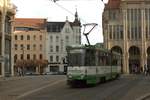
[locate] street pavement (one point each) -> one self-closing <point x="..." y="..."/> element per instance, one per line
<point x="15" y="87"/>
<point x="54" y="87"/>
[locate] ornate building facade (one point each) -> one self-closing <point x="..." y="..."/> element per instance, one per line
<point x="7" y="12"/>
<point x="60" y="35"/>
<point x="126" y="29"/>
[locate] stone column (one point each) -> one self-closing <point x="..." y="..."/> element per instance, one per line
<point x="12" y="46"/>
<point x="125" y="42"/>
<point x="3" y="42"/>
<point x="143" y="37"/>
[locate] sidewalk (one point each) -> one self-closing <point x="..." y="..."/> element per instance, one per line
<point x="11" y="78"/>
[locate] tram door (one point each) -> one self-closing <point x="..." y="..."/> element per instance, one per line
<point x="134" y="66"/>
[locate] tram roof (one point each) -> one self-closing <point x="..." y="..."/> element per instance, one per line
<point x="92" y="47"/>
<point x="87" y="47"/>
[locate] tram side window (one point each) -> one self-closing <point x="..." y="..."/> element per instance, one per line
<point x="103" y="59"/>
<point x="90" y="58"/>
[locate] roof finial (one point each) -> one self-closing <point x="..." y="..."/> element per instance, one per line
<point x="76" y="13"/>
<point x="66" y="18"/>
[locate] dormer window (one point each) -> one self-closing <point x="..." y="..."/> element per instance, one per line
<point x="67" y="30"/>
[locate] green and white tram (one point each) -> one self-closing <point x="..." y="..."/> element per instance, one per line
<point x="91" y="65"/>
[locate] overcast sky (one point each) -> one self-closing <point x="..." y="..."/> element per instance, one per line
<point x="89" y="11"/>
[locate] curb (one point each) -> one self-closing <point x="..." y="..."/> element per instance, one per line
<point x="144" y="97"/>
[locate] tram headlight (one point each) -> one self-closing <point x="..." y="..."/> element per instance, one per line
<point x="82" y="76"/>
<point x="69" y="76"/>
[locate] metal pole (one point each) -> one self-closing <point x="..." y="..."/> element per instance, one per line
<point x="87" y="33"/>
<point x="23" y="61"/>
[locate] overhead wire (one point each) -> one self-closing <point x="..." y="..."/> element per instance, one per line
<point x="67" y="10"/>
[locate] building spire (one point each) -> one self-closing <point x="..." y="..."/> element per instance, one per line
<point x="76" y="14"/>
<point x="76" y="20"/>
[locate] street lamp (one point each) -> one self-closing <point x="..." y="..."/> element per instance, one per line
<point x="22" y="71"/>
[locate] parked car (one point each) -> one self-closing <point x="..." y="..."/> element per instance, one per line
<point x="30" y="73"/>
<point x="50" y="73"/>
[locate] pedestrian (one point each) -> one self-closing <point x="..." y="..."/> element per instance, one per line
<point x="19" y="71"/>
<point x="145" y="70"/>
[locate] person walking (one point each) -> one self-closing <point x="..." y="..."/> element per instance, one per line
<point x="145" y="70"/>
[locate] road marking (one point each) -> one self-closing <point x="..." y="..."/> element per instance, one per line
<point x="38" y="89"/>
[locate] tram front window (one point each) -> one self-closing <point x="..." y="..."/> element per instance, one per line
<point x="76" y="59"/>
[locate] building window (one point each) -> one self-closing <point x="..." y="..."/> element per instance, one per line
<point x="51" y="38"/>
<point x="16" y="46"/>
<point x="34" y="37"/>
<point x="57" y="58"/>
<point x="67" y="39"/>
<point x="34" y="56"/>
<point x="41" y="57"/>
<point x="7" y="24"/>
<point x="51" y="48"/>
<point x="57" y="48"/>
<point x="121" y="32"/>
<point x="77" y="39"/>
<point x="21" y="57"/>
<point x="51" y="58"/>
<point x="16" y="37"/>
<point x="112" y="15"/>
<point x="34" y="47"/>
<point x="28" y="37"/>
<point x="28" y="56"/>
<point x="40" y="37"/>
<point x="57" y="39"/>
<point x="21" y="37"/>
<point x="40" y="47"/>
<point x="21" y="47"/>
<point x="28" y="47"/>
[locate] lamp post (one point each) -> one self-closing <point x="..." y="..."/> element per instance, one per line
<point x="22" y="70"/>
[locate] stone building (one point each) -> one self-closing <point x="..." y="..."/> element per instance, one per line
<point x="60" y="35"/>
<point x="7" y="12"/>
<point x="29" y="41"/>
<point x="126" y="29"/>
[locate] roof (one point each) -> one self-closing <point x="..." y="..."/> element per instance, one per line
<point x="58" y="26"/>
<point x="55" y="26"/>
<point x="91" y="47"/>
<point x="87" y="47"/>
<point x="113" y="4"/>
<point x="38" y="23"/>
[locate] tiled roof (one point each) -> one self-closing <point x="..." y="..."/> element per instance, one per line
<point x="38" y="23"/>
<point x="58" y="26"/>
<point x="113" y="4"/>
<point x="55" y="26"/>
